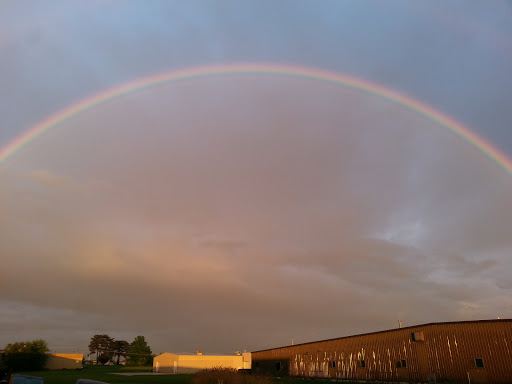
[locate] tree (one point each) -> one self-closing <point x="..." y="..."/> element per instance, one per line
<point x="139" y="353"/>
<point x="26" y="356"/>
<point x="103" y="346"/>
<point x="120" y="349"/>
<point x="103" y="358"/>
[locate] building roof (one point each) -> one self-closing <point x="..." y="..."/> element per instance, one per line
<point x="390" y="330"/>
<point x="73" y="356"/>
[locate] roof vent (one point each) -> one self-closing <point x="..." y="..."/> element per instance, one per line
<point x="417" y="336"/>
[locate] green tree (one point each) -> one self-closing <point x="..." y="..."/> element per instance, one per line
<point x="26" y="356"/>
<point x="120" y="349"/>
<point x="103" y="346"/>
<point x="103" y="358"/>
<point x="139" y="353"/>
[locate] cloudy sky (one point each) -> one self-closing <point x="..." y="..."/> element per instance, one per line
<point x="238" y="212"/>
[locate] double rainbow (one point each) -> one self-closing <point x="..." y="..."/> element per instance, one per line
<point x="259" y="69"/>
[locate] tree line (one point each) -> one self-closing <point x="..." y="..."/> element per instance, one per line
<point x="24" y="356"/>
<point x="33" y="355"/>
<point x="108" y="349"/>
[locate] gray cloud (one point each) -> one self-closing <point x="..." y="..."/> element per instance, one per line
<point x="195" y="217"/>
<point x="239" y="212"/>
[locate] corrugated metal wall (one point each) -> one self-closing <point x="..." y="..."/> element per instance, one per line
<point x="448" y="350"/>
<point x="64" y="361"/>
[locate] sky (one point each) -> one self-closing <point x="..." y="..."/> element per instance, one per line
<point x="239" y="212"/>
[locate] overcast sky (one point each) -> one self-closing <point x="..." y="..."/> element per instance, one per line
<point x="238" y="212"/>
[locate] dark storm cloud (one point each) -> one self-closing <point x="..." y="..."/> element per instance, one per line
<point x="227" y="214"/>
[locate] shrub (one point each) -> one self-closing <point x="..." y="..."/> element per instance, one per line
<point x="26" y="356"/>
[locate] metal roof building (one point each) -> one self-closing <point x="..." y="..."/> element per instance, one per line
<point x="462" y="352"/>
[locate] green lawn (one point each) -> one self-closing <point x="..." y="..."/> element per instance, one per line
<point x="102" y="373"/>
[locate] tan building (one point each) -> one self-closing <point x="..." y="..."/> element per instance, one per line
<point x="64" y="361"/>
<point x="458" y="352"/>
<point x="172" y="363"/>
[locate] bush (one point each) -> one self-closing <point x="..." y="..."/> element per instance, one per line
<point x="226" y="376"/>
<point x="26" y="356"/>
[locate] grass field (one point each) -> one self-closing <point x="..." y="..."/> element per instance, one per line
<point x="105" y="373"/>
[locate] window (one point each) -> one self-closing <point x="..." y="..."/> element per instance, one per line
<point x="479" y="363"/>
<point x="404" y="364"/>
<point x="362" y="364"/>
<point x="278" y="366"/>
<point x="333" y="364"/>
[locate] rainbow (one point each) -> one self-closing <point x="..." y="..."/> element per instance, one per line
<point x="259" y="69"/>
